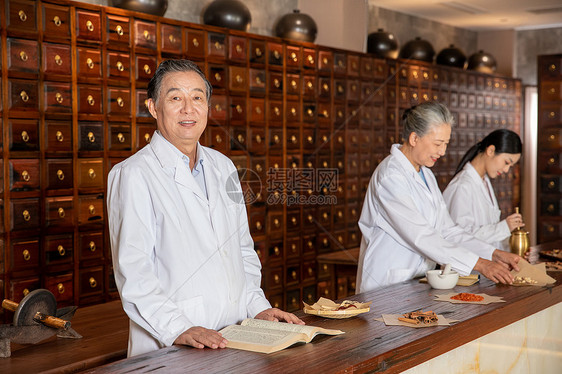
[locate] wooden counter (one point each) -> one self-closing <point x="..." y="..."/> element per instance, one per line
<point x="367" y="345"/>
<point x="105" y="332"/>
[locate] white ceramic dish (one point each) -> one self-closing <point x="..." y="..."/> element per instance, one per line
<point x="442" y="281"/>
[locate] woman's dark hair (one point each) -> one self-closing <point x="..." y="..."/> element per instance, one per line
<point x="505" y="141"/>
<point x="174" y="66"/>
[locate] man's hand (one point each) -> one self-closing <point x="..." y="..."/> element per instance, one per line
<point x="200" y="337"/>
<point x="274" y="314"/>
<point x="496" y="272"/>
<point x="506" y="258"/>
<point x="514" y="221"/>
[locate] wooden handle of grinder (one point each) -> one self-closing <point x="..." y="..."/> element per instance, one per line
<point x="50" y="321"/>
<point x="10" y="305"/>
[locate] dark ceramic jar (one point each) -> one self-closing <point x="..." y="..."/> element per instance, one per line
<point x="451" y="56"/>
<point x="296" y="26"/>
<point x="383" y="44"/>
<point x="483" y="62"/>
<point x="232" y="14"/>
<point x="155" y="7"/>
<point x="418" y="49"/>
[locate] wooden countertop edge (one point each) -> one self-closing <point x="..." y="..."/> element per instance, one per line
<point x="408" y="356"/>
<point x="89" y="363"/>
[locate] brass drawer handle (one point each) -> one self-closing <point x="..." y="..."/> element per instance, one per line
<point x="239" y="79"/>
<point x="294" y="276"/>
<point x="91" y="137"/>
<point x="277" y="111"/>
<point x="551" y="161"/>
<point x="57" y="21"/>
<point x="293" y="111"/>
<point x="368" y="67"/>
<point x="340" y="214"/>
<point x="25" y="291"/>
<point x="310" y="218"/>
<point x="309" y="85"/>
<point x="310" y="244"/>
<point x="119" y="30"/>
<point x="58" y="60"/>
<point x="172" y="39"/>
<point x="550" y="229"/>
<point x="340" y="63"/>
<point x="258" y="225"/>
<point x="59" y="98"/>
<point x="239" y="48"/>
<point x="550" y="208"/>
<point x="120" y="102"/>
<point x="276" y="223"/>
<point x="92" y="209"/>
<point x="120" y="66"/>
<point x="238" y="108"/>
<point x="276" y="251"/>
<point x="62" y="252"/>
<point x="92" y="174"/>
<point x="26" y="255"/>
<point x="25" y="175"/>
<point x="59" y="136"/>
<point x="325" y="87"/>
<point x="258" y="80"/>
<point x="552" y="67"/>
<point x="22" y="15"/>
<point x="92" y="246"/>
<point x="276" y="139"/>
<point x="258" y="52"/>
<point x="276" y="54"/>
<point x="294" y="221"/>
<point x="325" y="242"/>
<point x="24" y="136"/>
<point x="294" y="84"/>
<point x="92" y="282"/>
<point x="258" y="139"/>
<point x="325" y="61"/>
<point x="147" y="137"/>
<point x="310" y="112"/>
<point x="551" y="115"/>
<point x="146" y="34"/>
<point x="195" y="42"/>
<point x="26" y="215"/>
<point x="91" y="100"/>
<point x="276" y="83"/>
<point x="218" y="108"/>
<point x="61" y="212"/>
<point x="218" y="46"/>
<point x="294" y="139"/>
<point x="551" y="185"/>
<point x="259" y="168"/>
<point x="60" y="174"/>
<point x="90" y="26"/>
<point x="146" y="69"/>
<point x="89" y="63"/>
<point x="325" y="216"/>
<point x="294" y="57"/>
<point x="240" y="138"/>
<point x="258" y="110"/>
<point x="60" y="288"/>
<point x="218" y="77"/>
<point x="276" y="278"/>
<point x="24" y="96"/>
<point x="121" y="138"/>
<point x="310" y="59"/>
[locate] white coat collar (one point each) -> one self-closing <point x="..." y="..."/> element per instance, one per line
<point x="472" y="173"/>
<point x="408" y="167"/>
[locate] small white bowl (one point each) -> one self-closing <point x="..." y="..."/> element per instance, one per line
<point x="442" y="282"/>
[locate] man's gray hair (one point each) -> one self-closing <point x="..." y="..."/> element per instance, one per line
<point x="422" y="118"/>
<point x="175" y="66"/>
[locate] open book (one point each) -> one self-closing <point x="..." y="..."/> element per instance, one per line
<point x="266" y="336"/>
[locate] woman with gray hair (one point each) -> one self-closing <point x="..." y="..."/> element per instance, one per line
<point x="405" y="224"/>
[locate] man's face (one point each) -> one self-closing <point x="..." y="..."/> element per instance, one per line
<point x="181" y="110"/>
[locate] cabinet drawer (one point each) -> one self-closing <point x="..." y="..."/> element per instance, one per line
<point x="119" y="101"/>
<point x="216" y="45"/>
<point x="550" y="114"/>
<point x="309" y="58"/>
<point x="56" y="59"/>
<point x="24" y="135"/>
<point x="59" y="174"/>
<point x="25" y="254"/>
<point x="145" y="34"/>
<point x="24" y="174"/>
<point x="293" y="274"/>
<point x="324" y="88"/>
<point x="59" y="211"/>
<point x="90" y="173"/>
<point x="257" y="222"/>
<point x="59" y="137"/>
<point x="58" y="249"/>
<point x="340" y="63"/>
<point x="217" y="76"/>
<point x="275" y="112"/>
<point x="237" y="110"/>
<point x="218" y="109"/>
<point x="293" y="247"/>
<point x="144" y="134"/>
<point x="293" y="139"/>
<point x="309" y="271"/>
<point x="118" y="65"/>
<point x="257" y="52"/>
<point x="550" y="162"/>
<point x="142" y="103"/>
<point x="91" y="245"/>
<point x="309" y="112"/>
<point x="257" y="141"/>
<point x="550" y="66"/>
<point x="88" y="26"/>
<point x="145" y="67"/>
<point x="309" y="86"/>
<point x="293" y="84"/>
<point x="91" y="281"/>
<point x="308" y="245"/>
<point x="550" y="138"/>
<point x="237" y="81"/>
<point x="21" y="16"/>
<point x="23" y="56"/>
<point x="238" y="138"/>
<point x="171" y="40"/>
<point x="325" y="61"/>
<point x="275" y="54"/>
<point x="119" y="137"/>
<point x="293" y="220"/>
<point x="551" y="184"/>
<point x="275" y="222"/>
<point x="118" y="30"/>
<point x="57" y="97"/>
<point x="257" y="110"/>
<point x="90" y="136"/>
<point x="89" y="100"/>
<point x="89" y="63"/>
<point x="275" y="83"/>
<point x="23" y="95"/>
<point x="24" y="214"/>
<point x="19" y="288"/>
<point x="237" y="48"/>
<point x="257" y="81"/>
<point x="90" y="209"/>
<point x="309" y="294"/>
<point x="217" y="138"/>
<point x="549" y="231"/>
<point x="293" y="113"/>
<point x="294" y="57"/>
<point x="61" y="286"/>
<point x="195" y="43"/>
<point x="273" y="278"/>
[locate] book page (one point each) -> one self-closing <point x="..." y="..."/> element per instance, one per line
<point x="310" y="331"/>
<point x="259" y="339"/>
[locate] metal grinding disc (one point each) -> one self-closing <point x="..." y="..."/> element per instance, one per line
<point x="40" y="300"/>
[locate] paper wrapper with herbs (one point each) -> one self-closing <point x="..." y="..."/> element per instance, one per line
<point x="531" y="275"/>
<point x="330" y="309"/>
<point x="469" y="298"/>
<point x="416" y="319"/>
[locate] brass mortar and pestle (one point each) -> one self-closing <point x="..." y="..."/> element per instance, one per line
<point x="519" y="240"/>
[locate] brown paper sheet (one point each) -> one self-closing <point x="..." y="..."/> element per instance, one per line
<point x="487" y="299"/>
<point x="536" y="272"/>
<point x="329" y="309"/>
<point x="469" y="280"/>
<point x="392" y="320"/>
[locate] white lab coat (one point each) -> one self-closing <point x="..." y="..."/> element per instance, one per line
<point x="472" y="207"/>
<point x="407" y="229"/>
<point x="180" y="260"/>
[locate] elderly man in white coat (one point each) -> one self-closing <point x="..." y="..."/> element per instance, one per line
<point x="184" y="260"/>
<point x="405" y="224"/>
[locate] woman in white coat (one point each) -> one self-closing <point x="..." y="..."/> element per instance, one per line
<point x="405" y="224"/>
<point x="470" y="196"/>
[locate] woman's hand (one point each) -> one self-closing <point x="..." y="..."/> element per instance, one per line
<point x="514" y="221"/>
<point x="506" y="258"/>
<point x="494" y="271"/>
<point x="274" y="314"/>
